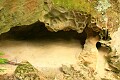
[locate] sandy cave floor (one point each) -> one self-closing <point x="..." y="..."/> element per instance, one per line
<point x="50" y="54"/>
<point x="46" y="56"/>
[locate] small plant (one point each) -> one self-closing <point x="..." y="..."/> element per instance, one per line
<point x="2" y="60"/>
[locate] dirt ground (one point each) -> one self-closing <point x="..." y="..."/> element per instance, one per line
<point x="51" y="54"/>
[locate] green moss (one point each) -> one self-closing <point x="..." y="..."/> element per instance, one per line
<point x="80" y="5"/>
<point x="18" y="12"/>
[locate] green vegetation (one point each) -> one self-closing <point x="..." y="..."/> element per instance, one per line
<point x="80" y="5"/>
<point x="2" y="60"/>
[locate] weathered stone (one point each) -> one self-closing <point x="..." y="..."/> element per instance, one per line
<point x="19" y="12"/>
<point x="56" y="14"/>
<point x="63" y="15"/>
<point x="25" y="71"/>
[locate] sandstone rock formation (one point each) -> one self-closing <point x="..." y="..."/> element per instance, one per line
<point x="98" y="19"/>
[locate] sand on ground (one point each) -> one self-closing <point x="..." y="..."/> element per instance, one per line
<point x="46" y="53"/>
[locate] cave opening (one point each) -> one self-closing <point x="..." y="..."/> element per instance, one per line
<point x="38" y="31"/>
<point x="36" y="44"/>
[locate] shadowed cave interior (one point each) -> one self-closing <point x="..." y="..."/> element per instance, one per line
<point x="36" y="44"/>
<point x="38" y="31"/>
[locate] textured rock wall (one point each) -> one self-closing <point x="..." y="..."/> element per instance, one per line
<point x="59" y="14"/>
<point x="65" y="15"/>
<point x="19" y="12"/>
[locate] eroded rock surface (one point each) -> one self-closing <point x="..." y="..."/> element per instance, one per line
<point x="24" y="71"/>
<point x="19" y="13"/>
<point x="78" y="15"/>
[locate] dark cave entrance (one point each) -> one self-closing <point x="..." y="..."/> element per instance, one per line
<point x="38" y="31"/>
<point x="42" y="48"/>
<point x="35" y="43"/>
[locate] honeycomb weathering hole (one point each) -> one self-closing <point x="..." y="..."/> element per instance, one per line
<point x="41" y="47"/>
<point x="98" y="45"/>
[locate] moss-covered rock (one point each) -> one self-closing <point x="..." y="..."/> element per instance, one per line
<point x="19" y="12"/>
<point x="25" y="12"/>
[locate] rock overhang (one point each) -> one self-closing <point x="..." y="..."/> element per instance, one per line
<point x="55" y="14"/>
<point x="19" y="13"/>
